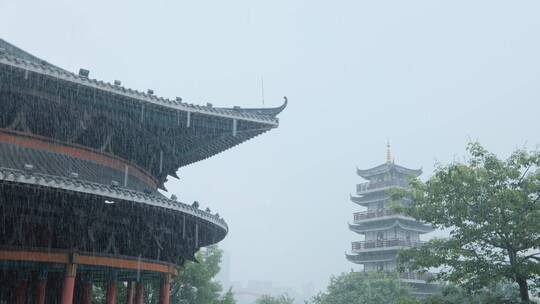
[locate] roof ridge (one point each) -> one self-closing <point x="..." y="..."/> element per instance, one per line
<point x="48" y="69"/>
<point x="22" y="54"/>
<point x="22" y="59"/>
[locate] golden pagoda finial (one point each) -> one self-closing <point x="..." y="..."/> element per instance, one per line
<point x="388" y="152"/>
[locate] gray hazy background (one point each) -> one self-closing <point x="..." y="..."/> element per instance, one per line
<point x="428" y="75"/>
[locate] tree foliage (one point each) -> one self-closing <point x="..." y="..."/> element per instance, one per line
<point x="283" y="299"/>
<point x="491" y="208"/>
<point x="499" y="293"/>
<point x="196" y="284"/>
<point x="228" y="298"/>
<point x="364" y="288"/>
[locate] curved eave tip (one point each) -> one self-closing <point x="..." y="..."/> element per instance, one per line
<point x="353" y="197"/>
<point x="360" y="172"/>
<point x="284" y="105"/>
<point x="276" y="111"/>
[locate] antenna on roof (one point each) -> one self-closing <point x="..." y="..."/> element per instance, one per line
<point x="262" y="90"/>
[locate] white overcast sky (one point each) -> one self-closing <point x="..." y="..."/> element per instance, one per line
<point x="428" y="75"/>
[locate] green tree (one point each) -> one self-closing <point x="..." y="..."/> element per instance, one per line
<point x="283" y="299"/>
<point x="491" y="208"/>
<point x="364" y="288"/>
<point x="499" y="293"/>
<point x="98" y="294"/>
<point x="196" y="284"/>
<point x="228" y="298"/>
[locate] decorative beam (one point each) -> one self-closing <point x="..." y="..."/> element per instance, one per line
<point x="81" y="259"/>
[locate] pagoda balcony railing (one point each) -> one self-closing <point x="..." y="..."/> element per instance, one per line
<point x="415" y="276"/>
<point x="365" y="245"/>
<point x="359" y="216"/>
<point x="371" y="186"/>
<point x="409" y="275"/>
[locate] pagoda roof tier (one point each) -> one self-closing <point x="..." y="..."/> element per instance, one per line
<point x="157" y="134"/>
<point x="108" y="192"/>
<point x="400" y="221"/>
<point x="93" y="217"/>
<point x="371" y="257"/>
<point x="39" y="155"/>
<point x="387" y="168"/>
<point x="365" y="200"/>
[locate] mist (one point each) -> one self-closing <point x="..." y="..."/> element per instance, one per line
<point x="428" y="76"/>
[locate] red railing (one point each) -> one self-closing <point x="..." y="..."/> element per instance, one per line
<point x="362" y="245"/>
<point x="358" y="216"/>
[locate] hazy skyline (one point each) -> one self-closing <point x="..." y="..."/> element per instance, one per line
<point x="427" y="75"/>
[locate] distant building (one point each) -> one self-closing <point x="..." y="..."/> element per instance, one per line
<point x="308" y="291"/>
<point x="255" y="289"/>
<point x="385" y="231"/>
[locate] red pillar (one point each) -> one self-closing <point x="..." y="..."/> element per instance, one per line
<point x="130" y="292"/>
<point x="41" y="288"/>
<point x="111" y="292"/>
<point x="87" y="292"/>
<point x="69" y="284"/>
<point x="20" y="291"/>
<point x="165" y="289"/>
<point x="139" y="293"/>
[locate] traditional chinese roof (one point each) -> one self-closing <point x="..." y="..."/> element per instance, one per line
<point x="63" y="165"/>
<point x="164" y="134"/>
<point x="371" y="257"/>
<point x="401" y="221"/>
<point x="386" y="168"/>
<point x="16" y="57"/>
<point x="107" y="192"/>
<point x="365" y="200"/>
<point x="11" y="50"/>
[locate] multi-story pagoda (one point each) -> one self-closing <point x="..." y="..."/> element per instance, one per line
<point x="81" y="162"/>
<point x="385" y="231"/>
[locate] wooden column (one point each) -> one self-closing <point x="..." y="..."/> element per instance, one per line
<point x="69" y="284"/>
<point x="111" y="292"/>
<point x="165" y="289"/>
<point x="21" y="291"/>
<point x="41" y="288"/>
<point x="130" y="292"/>
<point x="87" y="292"/>
<point x="139" y="293"/>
